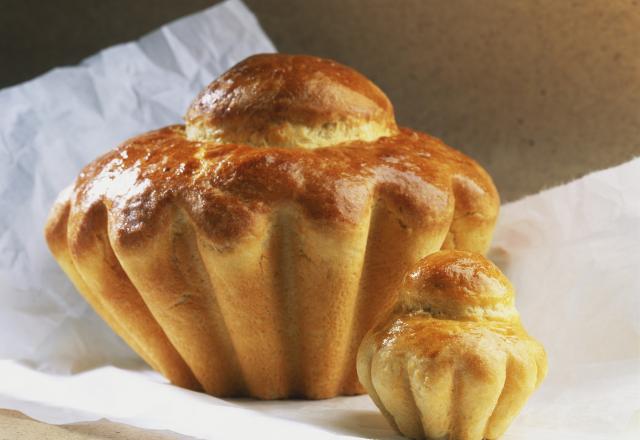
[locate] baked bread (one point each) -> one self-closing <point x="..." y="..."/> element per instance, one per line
<point x="452" y="360"/>
<point x="247" y="253"/>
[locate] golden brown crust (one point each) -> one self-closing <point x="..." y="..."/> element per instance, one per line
<point x="262" y="268"/>
<point x="452" y="361"/>
<point x="458" y="285"/>
<point x="223" y="187"/>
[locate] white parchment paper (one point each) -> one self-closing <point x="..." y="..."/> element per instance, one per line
<point x="573" y="253"/>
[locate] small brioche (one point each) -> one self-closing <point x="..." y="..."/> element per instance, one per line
<point x="453" y="360"/>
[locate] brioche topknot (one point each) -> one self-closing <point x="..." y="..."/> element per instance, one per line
<point x="459" y="285"/>
<point x="290" y="101"/>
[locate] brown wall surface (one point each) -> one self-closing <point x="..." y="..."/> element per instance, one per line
<point x="538" y="91"/>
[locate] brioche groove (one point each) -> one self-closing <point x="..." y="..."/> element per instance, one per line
<point x="434" y="413"/>
<point x="255" y="317"/>
<point x="102" y="303"/>
<point x="329" y="267"/>
<point x="350" y="383"/>
<point x="58" y="228"/>
<point x="410" y="401"/>
<point x="94" y="259"/>
<point x="249" y="251"/>
<point x="497" y="414"/>
<point x="227" y="358"/>
<point x="166" y="272"/>
<point x="285" y="283"/>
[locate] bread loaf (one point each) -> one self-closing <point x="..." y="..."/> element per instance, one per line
<point x="248" y="252"/>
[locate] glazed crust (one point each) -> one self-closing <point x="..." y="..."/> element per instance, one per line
<point x="247" y="270"/>
<point x="460" y="368"/>
<point x="290" y="101"/>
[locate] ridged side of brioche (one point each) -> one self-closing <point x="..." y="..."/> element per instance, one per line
<point x="452" y="361"/>
<point x="94" y="269"/>
<point x="274" y="309"/>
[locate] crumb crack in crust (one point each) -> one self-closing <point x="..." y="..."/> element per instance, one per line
<point x="253" y="264"/>
<point x="452" y="360"/>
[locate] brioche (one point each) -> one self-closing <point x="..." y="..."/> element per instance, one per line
<point x="452" y="360"/>
<point x="248" y="252"/>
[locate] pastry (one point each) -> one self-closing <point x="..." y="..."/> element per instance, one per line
<point x="247" y="252"/>
<point x="452" y="360"/>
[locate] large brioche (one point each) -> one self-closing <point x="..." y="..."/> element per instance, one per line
<point x="247" y="253"/>
<point x="452" y="360"/>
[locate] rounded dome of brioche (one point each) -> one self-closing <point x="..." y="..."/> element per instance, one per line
<point x="290" y="101"/>
<point x="460" y="285"/>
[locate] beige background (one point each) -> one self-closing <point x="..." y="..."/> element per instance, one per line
<point x="540" y="92"/>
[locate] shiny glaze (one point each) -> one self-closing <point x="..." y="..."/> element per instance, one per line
<point x="223" y="187"/>
<point x="443" y="306"/>
<point x="274" y="88"/>
<point x="458" y="285"/>
<point x="423" y="335"/>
